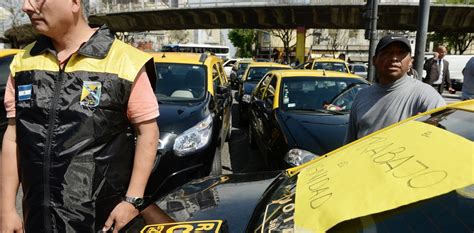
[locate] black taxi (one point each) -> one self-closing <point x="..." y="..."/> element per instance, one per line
<point x="296" y="115"/>
<point x="195" y="100"/>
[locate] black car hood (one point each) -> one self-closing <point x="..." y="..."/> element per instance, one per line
<point x="177" y="117"/>
<point x="315" y="132"/>
<point x="217" y="198"/>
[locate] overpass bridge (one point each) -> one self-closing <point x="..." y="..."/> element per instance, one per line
<point x="130" y="15"/>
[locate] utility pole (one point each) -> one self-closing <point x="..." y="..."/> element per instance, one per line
<point x="371" y="11"/>
<point x="421" y="35"/>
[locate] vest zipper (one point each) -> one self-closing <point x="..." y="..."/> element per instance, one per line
<point x="49" y="138"/>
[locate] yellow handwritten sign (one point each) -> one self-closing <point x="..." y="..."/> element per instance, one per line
<point x="209" y="226"/>
<point x="402" y="165"/>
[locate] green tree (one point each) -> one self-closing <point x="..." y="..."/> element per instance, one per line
<point x="243" y="40"/>
<point x="457" y="41"/>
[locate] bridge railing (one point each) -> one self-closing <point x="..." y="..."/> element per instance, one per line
<point x="115" y="6"/>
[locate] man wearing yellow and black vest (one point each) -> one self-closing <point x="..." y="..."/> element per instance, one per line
<point x="76" y="99"/>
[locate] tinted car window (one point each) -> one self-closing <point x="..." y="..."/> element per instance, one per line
<point x="456" y="121"/>
<point x="5" y="69"/>
<point x="358" y="68"/>
<point x="255" y="74"/>
<point x="309" y="93"/>
<point x="180" y="82"/>
<point x="334" y="66"/>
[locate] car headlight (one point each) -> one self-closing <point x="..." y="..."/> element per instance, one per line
<point x="246" y="98"/>
<point x="296" y="157"/>
<point x="194" y="138"/>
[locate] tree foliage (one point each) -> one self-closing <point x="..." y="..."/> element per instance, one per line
<point x="243" y="40"/>
<point x="179" y="36"/>
<point x="457" y="41"/>
<point x="286" y="36"/>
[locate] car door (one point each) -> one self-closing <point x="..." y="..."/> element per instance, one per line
<point x="259" y="110"/>
<point x="226" y="99"/>
<point x="269" y="130"/>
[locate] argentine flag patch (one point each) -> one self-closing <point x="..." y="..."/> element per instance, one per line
<point x="24" y="92"/>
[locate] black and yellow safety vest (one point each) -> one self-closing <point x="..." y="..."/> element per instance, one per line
<point x="75" y="142"/>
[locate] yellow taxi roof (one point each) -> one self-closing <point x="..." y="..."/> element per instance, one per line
<point x="185" y="58"/>
<point x="5" y="52"/>
<point x="326" y="59"/>
<point x="313" y="73"/>
<point x="268" y="64"/>
<point x="467" y="105"/>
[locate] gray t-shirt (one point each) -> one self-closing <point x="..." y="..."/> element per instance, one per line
<point x="379" y="106"/>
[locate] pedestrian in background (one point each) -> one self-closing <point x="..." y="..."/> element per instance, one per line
<point x="468" y="82"/>
<point x="395" y="96"/>
<point x="412" y="72"/>
<point x="76" y="99"/>
<point x="437" y="71"/>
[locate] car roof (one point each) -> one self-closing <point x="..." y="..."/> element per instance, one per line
<point x="313" y="73"/>
<point x="184" y="58"/>
<point x="326" y="59"/>
<point x="5" y="52"/>
<point x="463" y="105"/>
<point x="267" y="64"/>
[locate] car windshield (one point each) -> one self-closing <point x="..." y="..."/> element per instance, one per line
<point x="334" y="66"/>
<point x="358" y="69"/>
<point x="313" y="94"/>
<point x="5" y="68"/>
<point x="256" y="73"/>
<point x="180" y="82"/>
<point x="452" y="120"/>
<point x="243" y="66"/>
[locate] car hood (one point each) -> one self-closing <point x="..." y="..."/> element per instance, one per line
<point x="315" y="132"/>
<point x="215" y="198"/>
<point x="178" y="117"/>
<point x="248" y="87"/>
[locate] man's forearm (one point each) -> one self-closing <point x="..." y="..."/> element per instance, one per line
<point x="145" y="154"/>
<point x="9" y="179"/>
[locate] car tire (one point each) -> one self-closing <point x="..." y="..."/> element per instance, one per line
<point x="251" y="137"/>
<point x="216" y="167"/>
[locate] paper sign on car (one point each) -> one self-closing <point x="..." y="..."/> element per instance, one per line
<point x="396" y="167"/>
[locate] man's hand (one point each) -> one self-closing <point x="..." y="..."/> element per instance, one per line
<point x="451" y="90"/>
<point x="10" y="222"/>
<point x="120" y="216"/>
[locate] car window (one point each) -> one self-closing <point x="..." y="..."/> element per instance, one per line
<point x="312" y="93"/>
<point x="215" y="77"/>
<point x="255" y="74"/>
<point x="263" y="85"/>
<point x="230" y="63"/>
<point x="334" y="66"/>
<point x="5" y="69"/>
<point x="180" y="82"/>
<point x="453" y="120"/>
<point x="270" y="91"/>
<point x="358" y="69"/>
<point x="222" y="74"/>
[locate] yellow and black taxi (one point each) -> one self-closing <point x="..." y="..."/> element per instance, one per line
<point x="295" y="115"/>
<point x="6" y="57"/>
<point x="413" y="176"/>
<point x="325" y="63"/>
<point x="195" y="105"/>
<point x="252" y="75"/>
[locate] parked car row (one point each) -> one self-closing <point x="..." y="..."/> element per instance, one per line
<point x="414" y="176"/>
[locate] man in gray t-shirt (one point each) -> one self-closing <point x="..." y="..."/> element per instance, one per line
<point x="395" y="96"/>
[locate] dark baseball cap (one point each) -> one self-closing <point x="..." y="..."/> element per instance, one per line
<point x="392" y="38"/>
